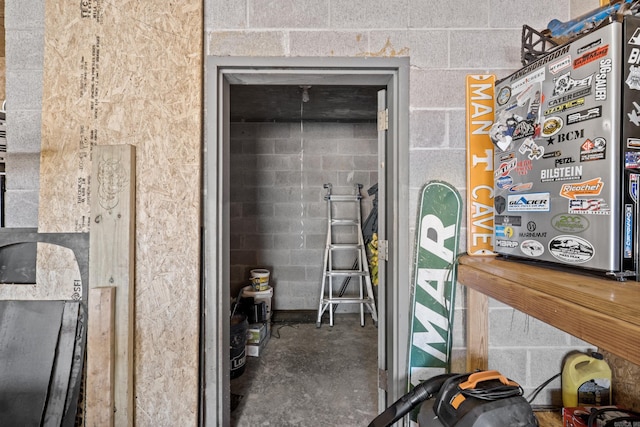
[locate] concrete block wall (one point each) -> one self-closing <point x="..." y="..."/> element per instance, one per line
<point x="278" y="211"/>
<point x="24" y="26"/>
<point x="445" y="41"/>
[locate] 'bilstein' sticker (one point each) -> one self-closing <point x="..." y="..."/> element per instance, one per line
<point x="571" y="249"/>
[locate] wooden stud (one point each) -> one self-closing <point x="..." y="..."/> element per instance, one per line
<point x="112" y="258"/>
<point x="100" y="358"/>
<point x="477" y="330"/>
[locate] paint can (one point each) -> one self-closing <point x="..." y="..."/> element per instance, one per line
<point x="259" y="296"/>
<point x="238" y="342"/>
<point x="260" y="279"/>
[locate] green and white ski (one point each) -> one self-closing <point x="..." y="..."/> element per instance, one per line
<point x="434" y="283"/>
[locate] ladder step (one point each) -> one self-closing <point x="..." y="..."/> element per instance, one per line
<point x="353" y="273"/>
<point x="344" y="198"/>
<point x="346" y="300"/>
<point x="344" y="222"/>
<point x="345" y="246"/>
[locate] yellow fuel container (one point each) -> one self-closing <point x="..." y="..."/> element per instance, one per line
<point x="586" y="380"/>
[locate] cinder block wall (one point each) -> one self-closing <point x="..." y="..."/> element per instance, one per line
<point x="24" y="26"/>
<point x="445" y="41"/>
<point x="278" y="211"/>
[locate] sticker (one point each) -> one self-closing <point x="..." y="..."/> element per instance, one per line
<point x="633" y="142"/>
<point x="524" y="167"/>
<point x="540" y="62"/>
<point x="530" y="234"/>
<point x="581" y="116"/>
<point x="480" y="163"/>
<point x="551" y="126"/>
<point x="568" y="136"/>
<point x="514" y="220"/>
<point x="566" y="83"/>
<point x="524" y="129"/>
<point x="556" y="67"/>
<point x="532" y="248"/>
<point x="633" y="186"/>
<point x="601" y="79"/>
<point x="509" y="244"/>
<point x="534" y="77"/>
<point x="517" y="188"/>
<point x="566" y="106"/>
<point x="590" y="46"/>
<point x="568" y="173"/>
<point x="504" y="157"/>
<point x="592" y="187"/>
<point x="552" y="154"/>
<point x="500" y="204"/>
<point x="571" y="249"/>
<point x="504" y="182"/>
<point x="501" y="132"/>
<point x="633" y="81"/>
<point x="589" y="207"/>
<point x="504" y="231"/>
<point x="535" y="151"/>
<point x="633" y="116"/>
<point x="580" y="93"/>
<point x="632" y="160"/>
<point x="505" y="168"/>
<point x="532" y="202"/>
<point x="591" y="56"/>
<point x="564" y="161"/>
<point x="628" y="231"/>
<point x="504" y="95"/>
<point x="568" y="223"/>
<point x="593" y="150"/>
<point x="524" y="96"/>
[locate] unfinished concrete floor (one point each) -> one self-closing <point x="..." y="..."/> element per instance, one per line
<point x="310" y="376"/>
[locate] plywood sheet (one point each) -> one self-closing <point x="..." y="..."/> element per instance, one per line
<point x="624" y="379"/>
<point x="58" y="278"/>
<point x="130" y="73"/>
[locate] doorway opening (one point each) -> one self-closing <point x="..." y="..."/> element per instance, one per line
<point x="276" y="130"/>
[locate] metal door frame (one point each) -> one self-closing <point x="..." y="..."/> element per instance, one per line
<point x="393" y="325"/>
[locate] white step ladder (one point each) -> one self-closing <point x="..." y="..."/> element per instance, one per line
<point x="337" y="210"/>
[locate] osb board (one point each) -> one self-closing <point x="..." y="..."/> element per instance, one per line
<point x="3" y="79"/>
<point x="129" y="72"/>
<point x="624" y="381"/>
<point x="61" y="280"/>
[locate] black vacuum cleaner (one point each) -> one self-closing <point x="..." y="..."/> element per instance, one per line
<point x="478" y="399"/>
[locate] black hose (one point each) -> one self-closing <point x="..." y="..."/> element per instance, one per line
<point x="423" y="391"/>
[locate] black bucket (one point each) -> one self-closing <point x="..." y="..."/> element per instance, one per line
<point x="238" y="338"/>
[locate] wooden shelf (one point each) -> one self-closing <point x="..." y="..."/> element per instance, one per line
<point x="601" y="311"/>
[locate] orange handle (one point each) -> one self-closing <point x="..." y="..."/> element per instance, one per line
<point x="478" y="377"/>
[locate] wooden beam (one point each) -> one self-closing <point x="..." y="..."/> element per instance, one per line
<point x="99" y="409"/>
<point x="112" y="258"/>
<point x="477" y="330"/>
<point x="601" y="311"/>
